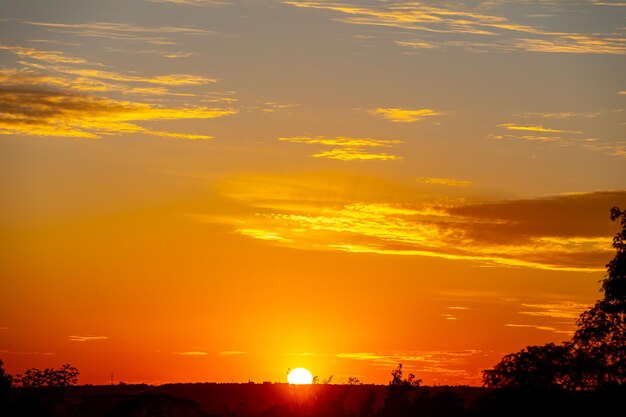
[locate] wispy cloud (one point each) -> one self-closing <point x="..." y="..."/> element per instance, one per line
<point x="531" y="138"/>
<point x="561" y="115"/>
<point x="537" y="327"/>
<point x="27" y="77"/>
<point x="56" y="57"/>
<point x="198" y="3"/>
<point x="608" y="3"/>
<point x="232" y="353"/>
<point x="86" y="338"/>
<point x="615" y="149"/>
<point x="560" y="310"/>
<point x="191" y="353"/>
<point x="59" y="70"/>
<point x="169" y="79"/>
<point x="575" y="44"/>
<point x="560" y="137"/>
<point x="36" y="353"/>
<point x="342" y="141"/>
<point x="455" y="25"/>
<point x="154" y="35"/>
<point x="41" y="112"/>
<point x="272" y="107"/>
<point x="418" y="44"/>
<point x="351" y="154"/>
<point x="400" y="115"/>
<point x="569" y="232"/>
<point x="351" y="149"/>
<point x="527" y="128"/>
<point x="451" y="182"/>
<point x="438" y="365"/>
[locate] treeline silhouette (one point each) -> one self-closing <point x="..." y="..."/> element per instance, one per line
<point x="585" y="376"/>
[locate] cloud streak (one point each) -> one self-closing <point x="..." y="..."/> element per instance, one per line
<point x="400" y="115"/>
<point x="537" y="327"/>
<point x="41" y="112"/>
<point x="86" y="338"/>
<point x="450" y="182"/>
<point x="453" y="25"/>
<point x="350" y="149"/>
<point x="198" y="3"/>
<point x="560" y="310"/>
<point x="154" y="35"/>
<point x="439" y="365"/>
<point x="526" y="128"/>
<point x="232" y="353"/>
<point x="56" y="57"/>
<point x="570" y="232"/>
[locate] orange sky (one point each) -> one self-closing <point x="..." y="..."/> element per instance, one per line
<point x="221" y="190"/>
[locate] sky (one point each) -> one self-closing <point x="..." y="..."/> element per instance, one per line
<point x="198" y="190"/>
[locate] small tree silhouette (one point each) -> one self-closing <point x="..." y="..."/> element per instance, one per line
<point x="63" y="377"/>
<point x="354" y="380"/>
<point x="6" y="381"/>
<point x="411" y="380"/>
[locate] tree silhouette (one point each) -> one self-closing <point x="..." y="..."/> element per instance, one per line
<point x="6" y="381"/>
<point x="600" y="340"/>
<point x="354" y="380"/>
<point x="596" y="355"/>
<point x="410" y="381"/>
<point x="65" y="376"/>
<point x="537" y="367"/>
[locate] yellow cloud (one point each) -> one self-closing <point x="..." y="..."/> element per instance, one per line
<point x="452" y="182"/>
<point x="561" y="310"/>
<point x="498" y="32"/>
<point x="86" y="338"/>
<point x="440" y="363"/>
<point x="530" y="234"/>
<point x="342" y="141"/>
<point x="575" y="44"/>
<point x="155" y="35"/>
<point x="22" y="77"/>
<point x="418" y="44"/>
<point x="40" y="112"/>
<point x="530" y="138"/>
<point x="562" y="115"/>
<point x="349" y="154"/>
<point x="170" y="79"/>
<point x="352" y="148"/>
<point x="199" y="3"/>
<point x="544" y="328"/>
<point x="48" y="56"/>
<point x="404" y="115"/>
<point x="261" y="234"/>
<point x="192" y="353"/>
<point x="512" y="126"/>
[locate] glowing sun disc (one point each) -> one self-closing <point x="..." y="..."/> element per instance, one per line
<point x="299" y="376"/>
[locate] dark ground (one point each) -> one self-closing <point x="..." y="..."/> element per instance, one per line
<point x="283" y="400"/>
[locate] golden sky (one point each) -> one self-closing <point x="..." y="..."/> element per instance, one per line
<point x="197" y="190"/>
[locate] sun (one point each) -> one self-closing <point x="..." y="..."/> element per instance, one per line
<point x="299" y="376"/>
